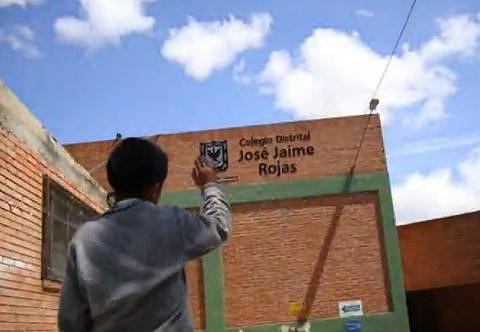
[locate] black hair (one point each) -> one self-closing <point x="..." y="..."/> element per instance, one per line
<point x="133" y="165"/>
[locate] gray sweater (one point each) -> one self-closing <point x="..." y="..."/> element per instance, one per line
<point x="126" y="269"/>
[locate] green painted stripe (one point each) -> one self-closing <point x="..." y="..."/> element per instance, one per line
<point x="393" y="255"/>
<point x="214" y="291"/>
<point x="387" y="322"/>
<point x="394" y="321"/>
<point x="282" y="190"/>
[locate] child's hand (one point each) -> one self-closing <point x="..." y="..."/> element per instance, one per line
<point x="203" y="172"/>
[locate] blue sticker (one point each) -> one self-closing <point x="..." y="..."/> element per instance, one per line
<point x="354" y="326"/>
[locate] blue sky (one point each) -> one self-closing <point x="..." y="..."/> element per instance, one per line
<point x="88" y="70"/>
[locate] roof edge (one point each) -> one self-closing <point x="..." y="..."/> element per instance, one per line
<point x="17" y="119"/>
<point x="201" y="131"/>
<point x="448" y="218"/>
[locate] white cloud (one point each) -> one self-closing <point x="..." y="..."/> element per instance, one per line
<point x="439" y="193"/>
<point x="334" y="73"/>
<point x="21" y="3"/>
<point x="239" y="75"/>
<point x="438" y="144"/>
<point x="364" y="13"/>
<point x="204" y="47"/>
<point x="458" y="35"/>
<point x="104" y="22"/>
<point x="21" y="39"/>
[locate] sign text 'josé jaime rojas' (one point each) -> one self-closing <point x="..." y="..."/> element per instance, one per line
<point x="271" y="153"/>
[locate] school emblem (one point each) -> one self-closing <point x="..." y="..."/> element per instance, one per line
<point x="217" y="152"/>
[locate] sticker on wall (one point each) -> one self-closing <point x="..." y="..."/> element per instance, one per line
<point x="353" y="326"/>
<point x="295" y="308"/>
<point x="350" y="308"/>
<point x="217" y="152"/>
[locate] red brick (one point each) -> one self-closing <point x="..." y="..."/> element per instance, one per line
<point x="335" y="141"/>
<point x="24" y="304"/>
<point x="441" y="253"/>
<point x="270" y="258"/>
<point x="264" y="272"/>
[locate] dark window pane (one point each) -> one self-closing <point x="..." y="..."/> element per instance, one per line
<point x="59" y="249"/>
<point x="63" y="215"/>
<point x="59" y="203"/>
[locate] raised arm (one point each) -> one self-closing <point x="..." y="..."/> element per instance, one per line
<point x="211" y="227"/>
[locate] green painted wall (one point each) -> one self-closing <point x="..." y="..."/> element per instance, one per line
<point x="394" y="321"/>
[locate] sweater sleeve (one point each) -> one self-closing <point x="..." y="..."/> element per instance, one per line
<point x="73" y="313"/>
<point x="207" y="230"/>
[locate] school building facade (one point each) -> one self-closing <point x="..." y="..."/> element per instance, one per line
<point x="311" y="242"/>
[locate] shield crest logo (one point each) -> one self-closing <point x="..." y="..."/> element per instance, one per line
<point x="217" y="152"/>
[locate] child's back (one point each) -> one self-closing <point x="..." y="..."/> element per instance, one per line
<point x="126" y="269"/>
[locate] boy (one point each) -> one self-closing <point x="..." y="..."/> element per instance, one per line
<point x="126" y="269"/>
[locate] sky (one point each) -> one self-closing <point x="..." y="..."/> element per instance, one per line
<point x="89" y="69"/>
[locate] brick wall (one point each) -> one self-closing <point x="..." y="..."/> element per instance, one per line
<point x="271" y="257"/>
<point x="441" y="253"/>
<point x="335" y="142"/>
<point x="269" y="260"/>
<point x="24" y="303"/>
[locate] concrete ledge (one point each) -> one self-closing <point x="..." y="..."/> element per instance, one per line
<point x="17" y="119"/>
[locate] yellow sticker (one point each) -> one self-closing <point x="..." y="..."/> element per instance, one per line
<point x="295" y="308"/>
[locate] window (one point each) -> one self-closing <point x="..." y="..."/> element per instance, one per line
<point x="62" y="216"/>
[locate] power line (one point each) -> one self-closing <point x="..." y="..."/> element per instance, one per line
<point x="312" y="287"/>
<point x="373" y="101"/>
<point x="117" y="140"/>
<point x="394" y="50"/>
<point x="118" y="137"/>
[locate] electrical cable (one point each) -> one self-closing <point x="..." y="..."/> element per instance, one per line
<point x="312" y="288"/>
<point x="373" y="101"/>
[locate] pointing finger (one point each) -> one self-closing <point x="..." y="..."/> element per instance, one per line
<point x="198" y="165"/>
